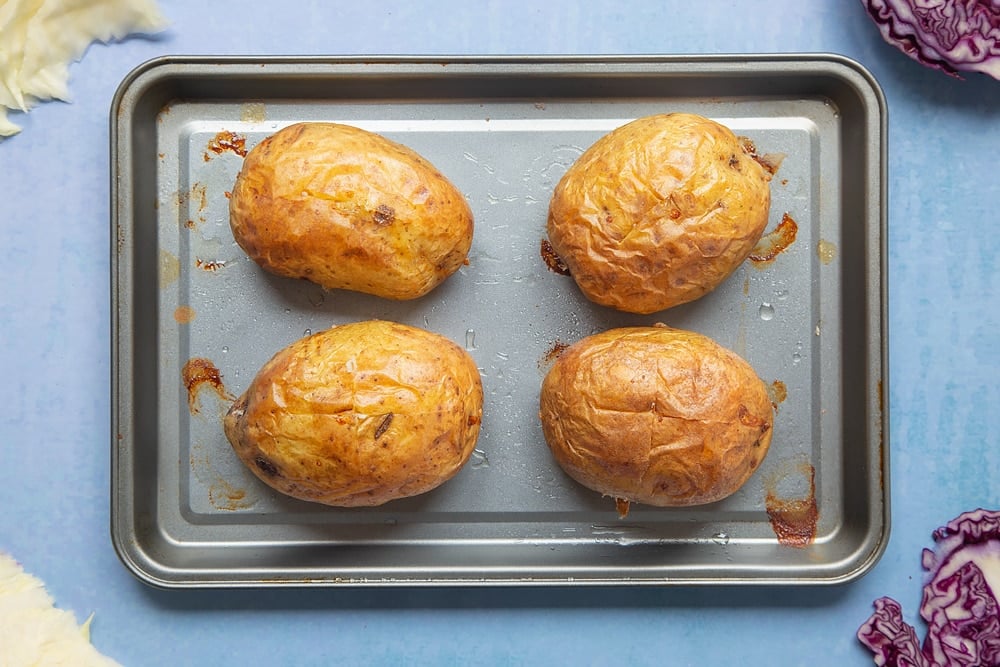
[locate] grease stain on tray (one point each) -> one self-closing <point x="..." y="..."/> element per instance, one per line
<point x="222" y="494"/>
<point x="197" y="196"/>
<point x="775" y="242"/>
<point x="253" y="112"/>
<point x="200" y="373"/>
<point x="170" y="268"/>
<point x="184" y="314"/>
<point x="790" y="500"/>
<point x="826" y="251"/>
<point x="479" y="459"/>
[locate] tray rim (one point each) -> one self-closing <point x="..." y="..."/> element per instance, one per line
<point x="134" y="84"/>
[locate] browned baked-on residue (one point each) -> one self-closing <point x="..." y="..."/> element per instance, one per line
<point x="771" y="162"/>
<point x="552" y="260"/>
<point x="199" y="372"/>
<point x="794" y="519"/>
<point x="184" y="314"/>
<point x="209" y="265"/>
<point x="622" y="505"/>
<point x="228" y="141"/>
<point x="198" y="193"/>
<point x="555" y="351"/>
<point x="225" y="496"/>
<point x="777" y="392"/>
<point x="775" y="242"/>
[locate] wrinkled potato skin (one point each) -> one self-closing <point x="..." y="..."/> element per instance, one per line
<point x="349" y="209"/>
<point x="656" y="415"/>
<point x="658" y="212"/>
<point x="314" y="422"/>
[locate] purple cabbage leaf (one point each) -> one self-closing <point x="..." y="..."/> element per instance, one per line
<point x="960" y="602"/>
<point x="949" y="35"/>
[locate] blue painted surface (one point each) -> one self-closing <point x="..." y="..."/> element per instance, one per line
<point x="944" y="198"/>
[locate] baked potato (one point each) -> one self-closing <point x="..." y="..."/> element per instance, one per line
<point x="359" y="414"/>
<point x="655" y="415"/>
<point x="658" y="212"/>
<point x="349" y="209"/>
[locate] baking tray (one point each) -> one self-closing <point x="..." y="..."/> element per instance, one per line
<point x="193" y="319"/>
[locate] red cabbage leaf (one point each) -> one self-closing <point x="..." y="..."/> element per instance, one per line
<point x="960" y="604"/>
<point x="949" y="35"/>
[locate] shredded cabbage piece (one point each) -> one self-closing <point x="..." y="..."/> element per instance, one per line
<point x="959" y="605"/>
<point x="949" y="35"/>
<point x="40" y="38"/>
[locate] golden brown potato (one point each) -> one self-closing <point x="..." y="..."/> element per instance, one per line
<point x="658" y="212"/>
<point x="359" y="414"/>
<point x="656" y="415"/>
<point x="349" y="209"/>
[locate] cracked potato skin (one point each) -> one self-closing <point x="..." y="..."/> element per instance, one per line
<point x="656" y="415"/>
<point x="359" y="415"/>
<point x="658" y="212"/>
<point x="349" y="209"/>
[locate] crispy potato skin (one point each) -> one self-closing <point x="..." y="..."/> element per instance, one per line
<point x="658" y="212"/>
<point x="349" y="209"/>
<point x="656" y="415"/>
<point x="359" y="415"/>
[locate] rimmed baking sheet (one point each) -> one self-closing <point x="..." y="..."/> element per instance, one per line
<point x="194" y="318"/>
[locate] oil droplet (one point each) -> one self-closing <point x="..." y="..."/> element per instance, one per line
<point x="470" y="339"/>
<point x="479" y="459"/>
<point x="225" y="349"/>
<point x="826" y="251"/>
<point x="781" y="294"/>
<point x="307" y="332"/>
<point x="720" y="538"/>
<point x="317" y="299"/>
<point x="766" y="311"/>
<point x="796" y="357"/>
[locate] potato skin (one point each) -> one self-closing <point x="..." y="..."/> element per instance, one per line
<point x="658" y="212"/>
<point x="349" y="209"/>
<point x="656" y="415"/>
<point x="359" y="415"/>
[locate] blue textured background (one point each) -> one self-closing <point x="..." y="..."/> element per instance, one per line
<point x="944" y="196"/>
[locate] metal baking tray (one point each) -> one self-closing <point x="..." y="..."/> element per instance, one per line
<point x="193" y="319"/>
